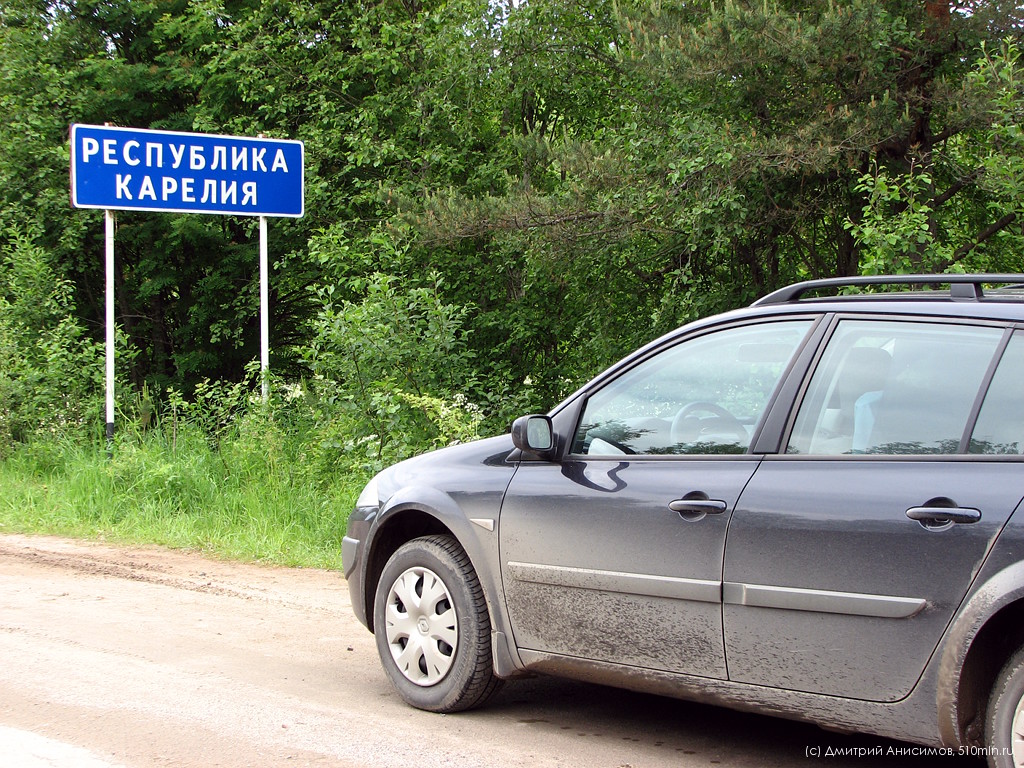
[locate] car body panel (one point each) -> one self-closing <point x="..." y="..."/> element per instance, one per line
<point x="453" y="486"/>
<point x="998" y="588"/>
<point x="911" y="719"/>
<point x="839" y="525"/>
<point x="595" y="563"/>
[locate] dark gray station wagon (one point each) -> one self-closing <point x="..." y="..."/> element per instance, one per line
<point x="804" y="507"/>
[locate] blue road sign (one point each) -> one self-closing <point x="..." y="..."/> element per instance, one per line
<point x="131" y="169"/>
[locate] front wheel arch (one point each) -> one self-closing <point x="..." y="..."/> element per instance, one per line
<point x="399" y="529"/>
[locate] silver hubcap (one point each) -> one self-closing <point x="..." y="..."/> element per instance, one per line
<point x="1017" y="736"/>
<point x="422" y="629"/>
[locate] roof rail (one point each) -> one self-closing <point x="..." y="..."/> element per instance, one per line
<point x="962" y="287"/>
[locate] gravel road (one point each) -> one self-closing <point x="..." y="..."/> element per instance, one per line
<point x="140" y="657"/>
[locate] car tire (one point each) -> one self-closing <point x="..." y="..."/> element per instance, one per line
<point x="1004" y="722"/>
<point x="432" y="627"/>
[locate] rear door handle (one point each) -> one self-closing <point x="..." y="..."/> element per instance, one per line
<point x="941" y="517"/>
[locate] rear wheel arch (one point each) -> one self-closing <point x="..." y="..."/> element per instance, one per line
<point x="995" y="642"/>
<point x="986" y="632"/>
<point x="1004" y="718"/>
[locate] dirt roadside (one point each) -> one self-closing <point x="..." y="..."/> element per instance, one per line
<point x="146" y="657"/>
<point x="149" y="657"/>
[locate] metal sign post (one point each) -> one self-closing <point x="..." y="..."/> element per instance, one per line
<point x="131" y="169"/>
<point x="264" y="311"/>
<point x="109" y="220"/>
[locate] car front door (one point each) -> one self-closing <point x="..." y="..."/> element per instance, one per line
<point x="848" y="554"/>
<point x="614" y="553"/>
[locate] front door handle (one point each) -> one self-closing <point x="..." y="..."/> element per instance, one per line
<point x="694" y="506"/>
<point x="937" y="516"/>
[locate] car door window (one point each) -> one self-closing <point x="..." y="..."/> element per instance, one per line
<point x="887" y="387"/>
<point x="1000" y="427"/>
<point x="705" y="395"/>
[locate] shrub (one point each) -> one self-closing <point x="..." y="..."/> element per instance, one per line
<point x="51" y="373"/>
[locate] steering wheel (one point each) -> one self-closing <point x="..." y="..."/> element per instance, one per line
<point x="622" y="447"/>
<point x="689" y="428"/>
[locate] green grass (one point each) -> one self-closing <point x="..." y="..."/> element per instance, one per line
<point x="258" y="495"/>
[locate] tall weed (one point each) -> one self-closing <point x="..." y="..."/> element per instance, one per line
<point x="243" y="491"/>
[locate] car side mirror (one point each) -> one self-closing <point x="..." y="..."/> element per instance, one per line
<point x="534" y="434"/>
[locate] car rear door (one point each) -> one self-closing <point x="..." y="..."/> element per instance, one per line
<point x="848" y="554"/>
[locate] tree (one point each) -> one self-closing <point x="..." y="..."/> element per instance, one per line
<point x="751" y="144"/>
<point x="579" y="176"/>
<point x="185" y="285"/>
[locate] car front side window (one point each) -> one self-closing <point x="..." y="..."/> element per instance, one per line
<point x="705" y="395"/>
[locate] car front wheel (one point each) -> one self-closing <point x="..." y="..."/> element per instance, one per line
<point x="432" y="628"/>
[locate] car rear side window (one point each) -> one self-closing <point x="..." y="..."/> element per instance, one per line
<point x="1000" y="427"/>
<point x="705" y="395"/>
<point x="889" y="387"/>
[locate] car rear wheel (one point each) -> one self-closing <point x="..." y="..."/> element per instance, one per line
<point x="432" y="628"/>
<point x="1004" y="732"/>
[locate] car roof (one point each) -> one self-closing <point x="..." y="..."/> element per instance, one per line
<point x="932" y="296"/>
